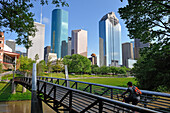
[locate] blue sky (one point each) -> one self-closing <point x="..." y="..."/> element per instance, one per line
<point x="83" y="14"/>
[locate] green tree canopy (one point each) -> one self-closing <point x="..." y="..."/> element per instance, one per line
<point x="58" y="67"/>
<point x="149" y="21"/>
<point x="15" y="16"/>
<point x="41" y="67"/>
<point x="25" y="63"/>
<point x="36" y="57"/>
<point x="77" y="63"/>
<point x="105" y="70"/>
<point x="49" y="65"/>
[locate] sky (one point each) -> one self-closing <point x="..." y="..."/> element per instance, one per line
<point x="83" y="14"/>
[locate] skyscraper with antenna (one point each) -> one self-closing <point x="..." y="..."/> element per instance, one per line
<point x="41" y="16"/>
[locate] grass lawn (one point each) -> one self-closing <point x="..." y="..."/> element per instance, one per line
<point x="122" y="82"/>
<point x="62" y="75"/>
<point x="6" y="95"/>
<point x="10" y="76"/>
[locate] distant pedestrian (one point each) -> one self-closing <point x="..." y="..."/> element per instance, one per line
<point x="134" y="94"/>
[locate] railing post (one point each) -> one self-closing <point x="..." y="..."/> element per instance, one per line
<point x="36" y="104"/>
<point x="58" y="81"/>
<point x="23" y="88"/>
<point x="38" y="88"/>
<point x="100" y="106"/>
<point x="90" y="88"/>
<point x="76" y="85"/>
<point x="13" y="85"/>
<point x="45" y="97"/>
<point x="111" y="93"/>
<point x="70" y="101"/>
<point x="66" y="76"/>
<point x="54" y="104"/>
<point x="145" y="101"/>
<point x="51" y="80"/>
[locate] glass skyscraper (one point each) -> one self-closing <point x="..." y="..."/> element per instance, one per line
<point x="110" y="49"/>
<point x="59" y="32"/>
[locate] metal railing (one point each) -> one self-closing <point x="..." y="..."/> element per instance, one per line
<point x="75" y="101"/>
<point x="153" y="100"/>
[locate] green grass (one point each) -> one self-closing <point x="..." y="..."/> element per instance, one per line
<point x="62" y="75"/>
<point x="122" y="82"/>
<point x="10" y="76"/>
<point x="6" y="95"/>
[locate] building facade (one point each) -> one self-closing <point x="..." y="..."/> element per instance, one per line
<point x="47" y="50"/>
<point x="1" y="46"/>
<point x="50" y="57"/>
<point x="79" y="42"/>
<point x="93" y="59"/>
<point x="21" y="53"/>
<point x="138" y="45"/>
<point x="37" y="43"/>
<point x="11" y="44"/>
<point x="59" y="32"/>
<point x="7" y="58"/>
<point x="69" y="46"/>
<point x="109" y="40"/>
<point x="127" y="53"/>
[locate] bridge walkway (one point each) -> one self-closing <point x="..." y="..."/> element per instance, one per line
<point x="54" y="93"/>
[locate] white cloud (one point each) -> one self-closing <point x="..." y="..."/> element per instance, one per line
<point x="45" y="20"/>
<point x="20" y="48"/>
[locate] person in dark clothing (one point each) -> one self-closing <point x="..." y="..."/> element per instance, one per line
<point x="132" y="95"/>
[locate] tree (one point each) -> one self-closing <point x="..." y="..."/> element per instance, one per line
<point x="36" y="57"/>
<point x="49" y="66"/>
<point x="58" y="67"/>
<point x="15" y="16"/>
<point x="149" y="21"/>
<point x="152" y="69"/>
<point x="41" y="66"/>
<point x="77" y="63"/>
<point x="114" y="70"/>
<point x="1" y="68"/>
<point x="104" y="70"/>
<point x="26" y="64"/>
<point x="95" y="69"/>
<point x="122" y="70"/>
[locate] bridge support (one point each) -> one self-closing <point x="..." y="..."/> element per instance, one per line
<point x="13" y="84"/>
<point x="23" y="88"/>
<point x="36" y="104"/>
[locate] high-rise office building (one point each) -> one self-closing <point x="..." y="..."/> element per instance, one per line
<point x="69" y="46"/>
<point x="37" y="43"/>
<point x="59" y="32"/>
<point x="127" y="53"/>
<point x="138" y="45"/>
<point x="11" y="44"/>
<point x="79" y="42"/>
<point x="93" y="59"/>
<point x="133" y="43"/>
<point x="47" y="50"/>
<point x="109" y="40"/>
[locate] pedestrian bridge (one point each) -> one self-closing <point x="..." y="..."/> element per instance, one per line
<point x="79" y="97"/>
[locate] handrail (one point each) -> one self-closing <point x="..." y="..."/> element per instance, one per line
<point x="149" y="99"/>
<point x="115" y="87"/>
<point x="45" y="90"/>
<point x="132" y="107"/>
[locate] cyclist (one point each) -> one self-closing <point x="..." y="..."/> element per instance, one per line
<point x="132" y="95"/>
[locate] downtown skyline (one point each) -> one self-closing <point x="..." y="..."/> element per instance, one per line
<point x="80" y="17"/>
